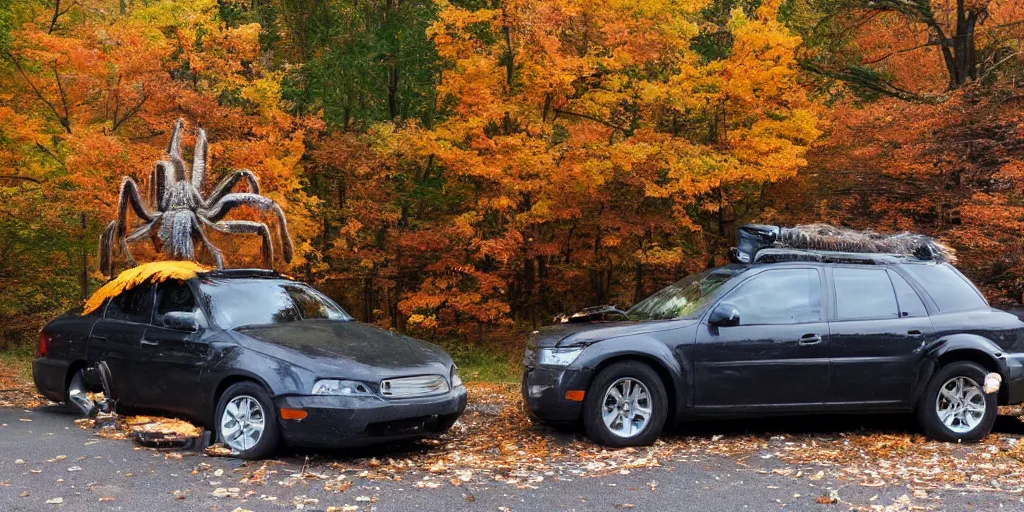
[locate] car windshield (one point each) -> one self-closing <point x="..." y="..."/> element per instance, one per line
<point x="249" y="302"/>
<point x="686" y="298"/>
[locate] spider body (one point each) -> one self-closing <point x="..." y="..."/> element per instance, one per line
<point x="179" y="213"/>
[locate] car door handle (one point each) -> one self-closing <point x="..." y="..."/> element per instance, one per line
<point x="150" y="343"/>
<point x="810" y="339"/>
<point x="914" y="332"/>
<point x="100" y="338"/>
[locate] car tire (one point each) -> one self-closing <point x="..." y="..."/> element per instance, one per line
<point x="239" y="411"/>
<point x="943" y="394"/>
<point x="633" y="429"/>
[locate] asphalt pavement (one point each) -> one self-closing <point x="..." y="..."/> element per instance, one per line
<point x="48" y="464"/>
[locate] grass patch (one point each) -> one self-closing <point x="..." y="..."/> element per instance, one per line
<point x="485" y="364"/>
<point x="16" y="361"/>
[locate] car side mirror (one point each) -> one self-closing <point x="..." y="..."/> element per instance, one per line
<point x="724" y="315"/>
<point x="181" y="320"/>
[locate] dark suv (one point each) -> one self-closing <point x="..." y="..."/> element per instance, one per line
<point x="810" y="332"/>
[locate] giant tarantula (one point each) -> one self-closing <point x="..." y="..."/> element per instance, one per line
<point x="181" y="210"/>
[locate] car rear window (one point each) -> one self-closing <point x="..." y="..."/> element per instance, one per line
<point x="950" y="290"/>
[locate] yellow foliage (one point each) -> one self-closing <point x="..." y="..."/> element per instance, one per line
<point x="156" y="272"/>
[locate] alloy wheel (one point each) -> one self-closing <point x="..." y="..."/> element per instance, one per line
<point x="627" y="407"/>
<point x="960" y="404"/>
<point x="242" y="423"/>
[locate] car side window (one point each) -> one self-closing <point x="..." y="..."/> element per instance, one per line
<point x="909" y="301"/>
<point x="947" y="287"/>
<point x="134" y="305"/>
<point x="175" y="296"/>
<point x="864" y="294"/>
<point x="782" y="296"/>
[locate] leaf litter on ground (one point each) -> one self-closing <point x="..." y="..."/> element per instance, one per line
<point x="494" y="441"/>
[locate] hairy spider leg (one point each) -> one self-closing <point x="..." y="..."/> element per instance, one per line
<point x="199" y="161"/>
<point x="232" y="201"/>
<point x="138" y="234"/>
<point x="229" y="182"/>
<point x="218" y="258"/>
<point x="163" y="176"/>
<point x="248" y="227"/>
<point x="129" y="195"/>
<point x="174" y="147"/>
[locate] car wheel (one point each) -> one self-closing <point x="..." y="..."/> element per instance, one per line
<point x="246" y="421"/>
<point x="626" y="405"/>
<point x="954" y="406"/>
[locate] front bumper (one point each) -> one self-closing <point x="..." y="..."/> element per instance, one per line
<point x="544" y="391"/>
<point x="1013" y="369"/>
<point x="339" y="421"/>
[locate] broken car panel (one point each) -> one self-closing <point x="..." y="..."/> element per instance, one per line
<point x="795" y="329"/>
<point x="257" y="357"/>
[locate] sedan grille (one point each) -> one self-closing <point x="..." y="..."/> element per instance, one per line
<point x="408" y="387"/>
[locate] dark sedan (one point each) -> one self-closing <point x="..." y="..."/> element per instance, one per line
<point x="259" y="358"/>
<point x="793" y="332"/>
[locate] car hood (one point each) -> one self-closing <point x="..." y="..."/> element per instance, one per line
<point x="570" y="334"/>
<point x="347" y="349"/>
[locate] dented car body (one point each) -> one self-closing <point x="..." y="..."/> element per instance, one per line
<point x="258" y="358"/>
<point x="792" y="331"/>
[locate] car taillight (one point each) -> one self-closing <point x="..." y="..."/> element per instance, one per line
<point x="44" y="344"/>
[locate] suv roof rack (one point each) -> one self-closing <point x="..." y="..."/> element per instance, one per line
<point x="781" y="255"/>
<point x="813" y="242"/>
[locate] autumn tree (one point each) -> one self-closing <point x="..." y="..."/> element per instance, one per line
<point x="89" y="92"/>
<point x="909" y="48"/>
<point x="587" y="146"/>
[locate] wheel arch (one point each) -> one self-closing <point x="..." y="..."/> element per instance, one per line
<point x="968" y="347"/>
<point x="648" y="350"/>
<point x="657" y="365"/>
<point x="226" y="382"/>
<point x="73" y="368"/>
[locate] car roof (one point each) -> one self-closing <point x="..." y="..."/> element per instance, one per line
<point x="243" y="273"/>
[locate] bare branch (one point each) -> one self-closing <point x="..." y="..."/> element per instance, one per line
<point x="16" y="177"/>
<point x="62" y="119"/>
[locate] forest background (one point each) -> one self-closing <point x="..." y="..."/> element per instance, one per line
<point x="463" y="170"/>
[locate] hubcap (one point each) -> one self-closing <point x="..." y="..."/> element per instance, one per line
<point x="242" y="424"/>
<point x="627" y="407"/>
<point x="960" y="404"/>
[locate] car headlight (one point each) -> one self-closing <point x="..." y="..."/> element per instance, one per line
<point x="558" y="356"/>
<point x="340" y="387"/>
<point x="456" y="380"/>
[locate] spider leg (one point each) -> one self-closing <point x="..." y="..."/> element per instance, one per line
<point x="232" y="201"/>
<point x="199" y="160"/>
<point x="163" y="175"/>
<point x="174" y="148"/>
<point x="129" y="196"/>
<point x="136" y="234"/>
<point x="229" y="182"/>
<point x="249" y="227"/>
<point x="218" y="258"/>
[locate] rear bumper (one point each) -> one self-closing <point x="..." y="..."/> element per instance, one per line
<point x="48" y="375"/>
<point x="338" y="421"/>
<point x="544" y="391"/>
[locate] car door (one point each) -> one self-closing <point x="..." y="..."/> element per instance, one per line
<point x="175" y="357"/>
<point x="116" y="340"/>
<point x="776" y="356"/>
<point x="879" y="324"/>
